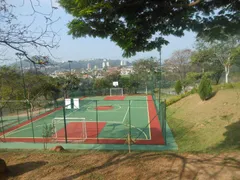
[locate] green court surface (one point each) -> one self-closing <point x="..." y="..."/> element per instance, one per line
<point x="128" y="116"/>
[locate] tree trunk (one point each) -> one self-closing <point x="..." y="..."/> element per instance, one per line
<point x="146" y="90"/>
<point x="227" y="69"/>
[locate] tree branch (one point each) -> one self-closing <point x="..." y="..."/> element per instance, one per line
<point x="194" y="3"/>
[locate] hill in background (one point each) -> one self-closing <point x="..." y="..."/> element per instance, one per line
<point x="81" y="64"/>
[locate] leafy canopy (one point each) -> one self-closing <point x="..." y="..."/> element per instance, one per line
<point x="139" y="25"/>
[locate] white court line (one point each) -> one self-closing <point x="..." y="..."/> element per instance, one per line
<point x="20" y="128"/>
<point x="12" y="132"/>
<point x="126" y="113"/>
<point x="149" y="132"/>
<point x="112" y="122"/>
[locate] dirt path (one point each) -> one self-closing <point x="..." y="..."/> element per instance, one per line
<point x="116" y="165"/>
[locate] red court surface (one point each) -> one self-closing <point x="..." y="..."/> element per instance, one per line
<point x="74" y="130"/>
<point x="103" y="108"/>
<point x="114" y="98"/>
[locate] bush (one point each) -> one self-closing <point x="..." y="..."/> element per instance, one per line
<point x="226" y="86"/>
<point x="177" y="98"/>
<point x="178" y="87"/>
<point x="205" y="88"/>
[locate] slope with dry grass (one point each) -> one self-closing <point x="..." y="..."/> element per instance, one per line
<point x="212" y="125"/>
<point x="119" y="165"/>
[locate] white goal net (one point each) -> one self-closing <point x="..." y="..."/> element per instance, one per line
<point x="116" y="91"/>
<point x="76" y="129"/>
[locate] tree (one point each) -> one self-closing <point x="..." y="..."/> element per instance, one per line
<point x="68" y="83"/>
<point x="10" y="85"/>
<point x="100" y="85"/>
<point x="179" y="63"/>
<point x="206" y="59"/>
<point x="112" y="76"/>
<point x="124" y="82"/>
<point x="134" y="83"/>
<point x="192" y="78"/>
<point x="139" y="25"/>
<point x="144" y="70"/>
<point x="205" y="88"/>
<point x="178" y="87"/>
<point x="26" y="35"/>
<point x="225" y="51"/>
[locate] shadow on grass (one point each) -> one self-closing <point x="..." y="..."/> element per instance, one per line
<point x="232" y="138"/>
<point x="134" y="159"/>
<point x="22" y="168"/>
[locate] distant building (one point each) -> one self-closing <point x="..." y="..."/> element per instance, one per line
<point x="123" y="63"/>
<point x="112" y="70"/>
<point x="88" y="66"/>
<point x="126" y="70"/>
<point x="107" y="63"/>
<point x="64" y="73"/>
<point x="103" y="64"/>
<point x="87" y="76"/>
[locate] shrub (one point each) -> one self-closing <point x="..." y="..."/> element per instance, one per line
<point x="205" y="88"/>
<point x="178" y="87"/>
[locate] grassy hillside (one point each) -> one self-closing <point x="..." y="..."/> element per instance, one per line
<point x="212" y="125"/>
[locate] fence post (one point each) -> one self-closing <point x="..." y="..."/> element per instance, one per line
<point x="129" y="115"/>
<point x="65" y="124"/>
<point x="165" y="122"/>
<point x="18" y="117"/>
<point x="97" y="118"/>
<point x="32" y="126"/>
<point x="2" y="124"/>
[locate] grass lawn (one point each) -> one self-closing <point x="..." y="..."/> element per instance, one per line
<point x="207" y="126"/>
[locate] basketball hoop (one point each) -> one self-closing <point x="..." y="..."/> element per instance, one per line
<point x="115" y="83"/>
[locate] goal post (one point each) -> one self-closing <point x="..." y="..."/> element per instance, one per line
<point x="77" y="132"/>
<point x="116" y="91"/>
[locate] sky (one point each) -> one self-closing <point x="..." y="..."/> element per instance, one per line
<point x="88" y="48"/>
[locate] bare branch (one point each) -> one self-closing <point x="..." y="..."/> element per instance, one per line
<point x="23" y="37"/>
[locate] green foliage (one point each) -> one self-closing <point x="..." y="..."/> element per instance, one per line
<point x="132" y="26"/>
<point x="235" y="55"/>
<point x="68" y="83"/>
<point x="178" y="87"/>
<point x="38" y="87"/>
<point x="144" y="71"/>
<point x="192" y="78"/>
<point x="209" y="63"/>
<point x="226" y="86"/>
<point x="177" y="98"/>
<point x="205" y="88"/>
<point x="47" y="133"/>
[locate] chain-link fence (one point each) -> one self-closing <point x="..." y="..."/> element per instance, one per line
<point x="123" y="120"/>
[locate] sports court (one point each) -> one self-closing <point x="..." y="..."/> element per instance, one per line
<point x="96" y="120"/>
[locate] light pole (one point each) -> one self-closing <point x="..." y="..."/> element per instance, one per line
<point x="69" y="62"/>
<point x="20" y="55"/>
<point x="160" y="70"/>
